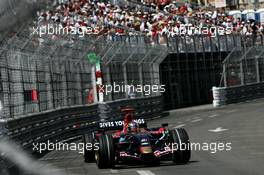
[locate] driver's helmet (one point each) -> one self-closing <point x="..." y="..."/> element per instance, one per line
<point x="133" y="127"/>
<point x="129" y="114"/>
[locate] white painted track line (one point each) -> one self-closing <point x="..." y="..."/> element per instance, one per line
<point x="145" y="172"/>
<point x="212" y="116"/>
<point x="179" y="126"/>
<point x="196" y="120"/>
<point x="230" y="111"/>
<point x="114" y="171"/>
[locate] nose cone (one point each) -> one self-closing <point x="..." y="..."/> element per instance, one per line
<point x="146" y="150"/>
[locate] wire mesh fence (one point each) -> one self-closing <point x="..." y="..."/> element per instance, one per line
<point x="58" y="83"/>
<point x="243" y="67"/>
<point x="51" y="72"/>
<point x="55" y="84"/>
<point x="56" y="68"/>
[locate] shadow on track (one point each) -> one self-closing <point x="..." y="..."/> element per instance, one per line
<point x="163" y="164"/>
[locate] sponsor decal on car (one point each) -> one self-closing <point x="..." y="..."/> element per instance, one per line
<point x="161" y="153"/>
<point x="118" y="123"/>
<point x="124" y="154"/>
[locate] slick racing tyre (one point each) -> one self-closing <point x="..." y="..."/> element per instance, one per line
<point x="88" y="154"/>
<point x="105" y="156"/>
<point x="181" y="154"/>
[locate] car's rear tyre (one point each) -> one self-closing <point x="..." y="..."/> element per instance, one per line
<point x="88" y="154"/>
<point x="105" y="156"/>
<point x="182" y="154"/>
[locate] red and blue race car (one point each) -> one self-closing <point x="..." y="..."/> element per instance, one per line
<point x="143" y="146"/>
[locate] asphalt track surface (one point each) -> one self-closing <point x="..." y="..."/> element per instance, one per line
<point x="241" y="124"/>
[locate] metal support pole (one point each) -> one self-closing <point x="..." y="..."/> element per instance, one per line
<point x="99" y="81"/>
<point x="52" y="84"/>
<point x="196" y="74"/>
<point x="125" y="77"/>
<point x="152" y="78"/>
<point x="224" y="73"/>
<point x="66" y="65"/>
<point x="242" y="72"/>
<point x="64" y="85"/>
<point x="156" y="76"/>
<point x="108" y="80"/>
<point x="257" y="69"/>
<point x="23" y="86"/>
<point x="79" y="85"/>
<point x="93" y="78"/>
<point x="140" y="71"/>
<point x="36" y="106"/>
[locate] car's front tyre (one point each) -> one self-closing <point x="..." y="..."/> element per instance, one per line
<point x="88" y="154"/>
<point x="105" y="155"/>
<point x="180" y="138"/>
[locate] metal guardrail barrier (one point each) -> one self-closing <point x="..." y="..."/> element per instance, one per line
<point x="15" y="161"/>
<point x="61" y="124"/>
<point x="244" y="93"/>
<point x="65" y="123"/>
<point x="242" y="77"/>
<point x="236" y="94"/>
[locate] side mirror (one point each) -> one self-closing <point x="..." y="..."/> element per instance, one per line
<point x="164" y="125"/>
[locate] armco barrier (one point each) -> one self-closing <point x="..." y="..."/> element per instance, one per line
<point x="58" y="125"/>
<point x="228" y="95"/>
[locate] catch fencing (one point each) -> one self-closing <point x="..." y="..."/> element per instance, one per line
<point x="50" y="72"/>
<point x="242" y="77"/>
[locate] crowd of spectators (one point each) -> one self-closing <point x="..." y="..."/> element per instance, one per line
<point x="158" y="17"/>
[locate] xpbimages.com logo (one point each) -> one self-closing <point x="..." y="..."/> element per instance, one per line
<point x="212" y="147"/>
<point x="62" y="146"/>
<point x="60" y="30"/>
<point x="125" y="88"/>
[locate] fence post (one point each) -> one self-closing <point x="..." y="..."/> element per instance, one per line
<point x="224" y="72"/>
<point x="108" y="80"/>
<point x="93" y="78"/>
<point x="242" y="72"/>
<point x="125" y="79"/>
<point x="3" y="128"/>
<point x="257" y="69"/>
<point x="140" y="71"/>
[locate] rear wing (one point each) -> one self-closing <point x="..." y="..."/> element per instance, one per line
<point x="118" y="124"/>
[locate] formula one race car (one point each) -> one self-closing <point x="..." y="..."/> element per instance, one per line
<point x="144" y="146"/>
